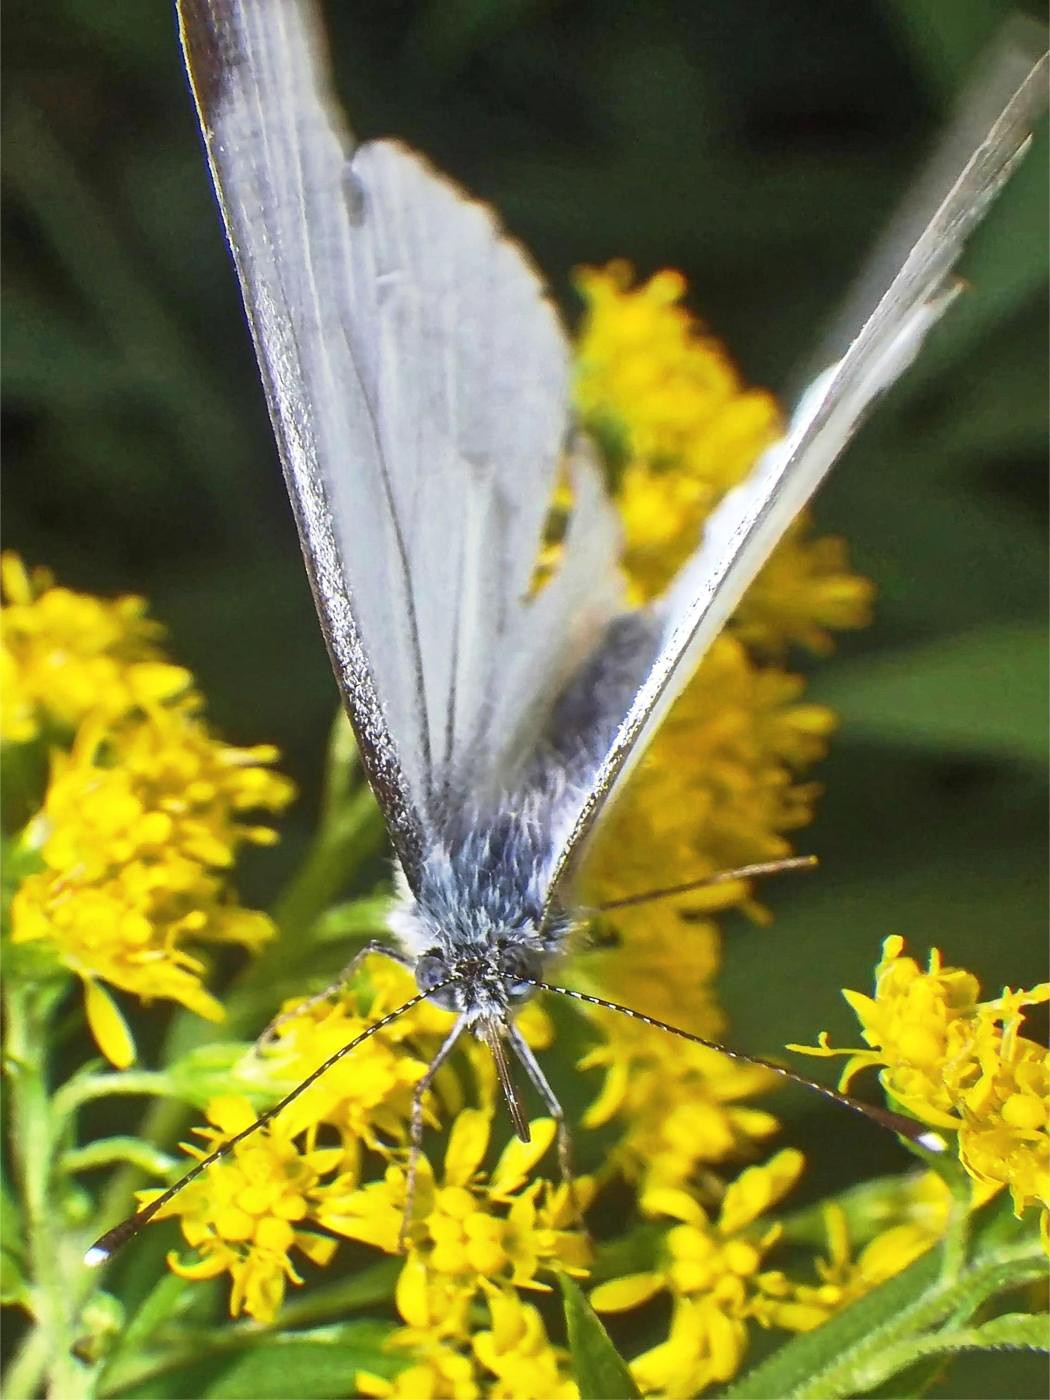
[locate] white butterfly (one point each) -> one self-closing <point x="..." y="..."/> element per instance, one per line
<point x="418" y="384"/>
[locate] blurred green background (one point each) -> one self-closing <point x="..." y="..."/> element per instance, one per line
<point x="759" y="147"/>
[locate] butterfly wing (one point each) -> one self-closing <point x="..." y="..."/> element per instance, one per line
<point x="748" y="523"/>
<point x="417" y="381"/>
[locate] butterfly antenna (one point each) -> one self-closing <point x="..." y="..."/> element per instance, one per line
<point x="721" y="877"/>
<point x="493" y="1036"/>
<point x="886" y="1118"/>
<point x="108" y="1244"/>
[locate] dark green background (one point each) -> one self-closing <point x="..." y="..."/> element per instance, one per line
<point x="756" y="144"/>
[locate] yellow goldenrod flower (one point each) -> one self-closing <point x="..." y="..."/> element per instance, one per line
<point x="679" y="429"/>
<point x="804" y="593"/>
<point x="669" y="408"/>
<point x="795" y="1306"/>
<point x="959" y="1064"/>
<point x="679" y="1105"/>
<point x="511" y="1359"/>
<point x="516" y="1350"/>
<point x="717" y="789"/>
<point x="367" y="1097"/>
<point x="247" y="1213"/>
<point x="468" y="1231"/>
<point x="66" y="655"/>
<point x="712" y="1270"/>
<point x="439" y="1372"/>
<point x="141" y="820"/>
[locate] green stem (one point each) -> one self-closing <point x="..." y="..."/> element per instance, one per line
<point x="864" y="1367"/>
<point x="351" y="835"/>
<point x="55" y="1305"/>
<point x="26" y="1370"/>
<point x="82" y="1090"/>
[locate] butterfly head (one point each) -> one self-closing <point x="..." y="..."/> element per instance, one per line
<point x="484" y="982"/>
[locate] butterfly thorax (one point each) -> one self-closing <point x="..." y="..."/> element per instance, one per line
<point x="477" y="920"/>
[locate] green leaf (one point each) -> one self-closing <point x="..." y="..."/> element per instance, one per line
<point x="14" y="1287"/>
<point x="357" y="918"/>
<point x="600" y="1370"/>
<point x="103" y="1152"/>
<point x="309" y="1365"/>
<point x="894" y="1325"/>
<point x="984" y="692"/>
<point x="1015" y="1330"/>
<point x="1019" y="1331"/>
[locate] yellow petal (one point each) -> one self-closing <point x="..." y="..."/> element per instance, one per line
<point x="672" y="1201"/>
<point x="757" y="1188"/>
<point x="108" y="1026"/>
<point x="620" y="1294"/>
<point x="411" y="1293"/>
<point x="231" y="1113"/>
<point x="518" y="1158"/>
<point x="209" y="1267"/>
<point x="367" y="1383"/>
<point x="467" y="1144"/>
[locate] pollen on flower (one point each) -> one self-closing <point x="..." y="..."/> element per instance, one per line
<point x="961" y="1064"/>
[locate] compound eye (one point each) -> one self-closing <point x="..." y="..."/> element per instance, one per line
<point x="521" y="967"/>
<point x="431" y="970"/>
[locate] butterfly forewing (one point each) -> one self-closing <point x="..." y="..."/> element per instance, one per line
<point x="417" y="380"/>
<point x="749" y="522"/>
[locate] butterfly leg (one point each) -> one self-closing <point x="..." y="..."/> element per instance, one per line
<point x="550" y="1098"/>
<point x="374" y="945"/>
<point x="415" y="1139"/>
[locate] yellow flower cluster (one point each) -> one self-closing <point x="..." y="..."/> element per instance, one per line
<point x="66" y="655"/>
<point x="678" y="1105"/>
<point x="722" y="785"/>
<point x="921" y="1208"/>
<point x="960" y="1064"/>
<point x="475" y="1238"/>
<point x="245" y="1216"/>
<point x="679" y="429"/>
<point x="711" y="1269"/>
<point x="144" y="811"/>
<point x="510" y="1359"/>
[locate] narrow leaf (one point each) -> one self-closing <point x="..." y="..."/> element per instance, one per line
<point x="984" y="691"/>
<point x="311" y="1366"/>
<point x="1015" y="1330"/>
<point x="122" y="1148"/>
<point x="792" y="1369"/>
<point x="601" y="1372"/>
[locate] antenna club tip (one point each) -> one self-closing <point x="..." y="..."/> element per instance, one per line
<point x="96" y="1256"/>
<point x="933" y="1142"/>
